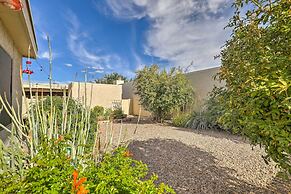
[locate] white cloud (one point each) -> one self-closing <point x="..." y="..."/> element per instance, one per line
<point x="92" y="57"/>
<point x="68" y="65"/>
<point x="45" y="55"/>
<point x="180" y="31"/>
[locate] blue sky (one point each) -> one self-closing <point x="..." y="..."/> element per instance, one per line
<point x="107" y="36"/>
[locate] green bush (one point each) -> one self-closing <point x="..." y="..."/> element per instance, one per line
<point x="119" y="173"/>
<point x="118" y="113"/>
<point x="51" y="172"/>
<point x="161" y="92"/>
<point x="181" y="119"/>
<point x="97" y="114"/>
<point x="257" y="71"/>
<point x="211" y="111"/>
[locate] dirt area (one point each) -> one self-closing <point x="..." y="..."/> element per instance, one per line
<point x="194" y="161"/>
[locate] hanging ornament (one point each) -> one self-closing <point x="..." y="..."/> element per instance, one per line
<point x="28" y="62"/>
<point x="12" y="4"/>
<point x="27" y="71"/>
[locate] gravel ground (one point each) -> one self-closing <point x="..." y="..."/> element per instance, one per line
<point x="202" y="161"/>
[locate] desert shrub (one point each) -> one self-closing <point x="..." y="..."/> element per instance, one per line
<point x="202" y="121"/>
<point x="52" y="169"/>
<point x="257" y="71"/>
<point x="162" y="92"/>
<point x="119" y="173"/>
<point x="210" y="113"/>
<point x="118" y="113"/>
<point x="181" y="119"/>
<point x="97" y="113"/>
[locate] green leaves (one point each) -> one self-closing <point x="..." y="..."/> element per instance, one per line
<point x="161" y="92"/>
<point x="256" y="66"/>
<point x="52" y="172"/>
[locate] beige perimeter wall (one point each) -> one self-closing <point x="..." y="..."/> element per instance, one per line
<point x="8" y="45"/>
<point x="106" y="95"/>
<point x="128" y="92"/>
<point x="203" y="82"/>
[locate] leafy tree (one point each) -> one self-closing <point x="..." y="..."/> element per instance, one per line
<point x="256" y="66"/>
<point x="161" y="92"/>
<point x="111" y="78"/>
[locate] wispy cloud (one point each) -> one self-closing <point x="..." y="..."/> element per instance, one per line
<point x="90" y="55"/>
<point x="45" y="55"/>
<point x="68" y="65"/>
<point x="180" y="31"/>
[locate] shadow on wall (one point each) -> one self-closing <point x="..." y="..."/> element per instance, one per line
<point x="128" y="92"/>
<point x="203" y="82"/>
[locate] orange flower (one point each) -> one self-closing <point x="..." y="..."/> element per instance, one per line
<point x="127" y="153"/>
<point x="80" y="182"/>
<point x="75" y="176"/>
<point x="78" y="185"/>
<point x="61" y="138"/>
<point x="82" y="190"/>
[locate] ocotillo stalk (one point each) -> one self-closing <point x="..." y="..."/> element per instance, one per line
<point x="50" y="83"/>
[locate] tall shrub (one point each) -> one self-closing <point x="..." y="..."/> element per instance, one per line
<point x="256" y="66"/>
<point x="161" y="92"/>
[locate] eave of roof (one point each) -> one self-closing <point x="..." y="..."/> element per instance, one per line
<point x="19" y="25"/>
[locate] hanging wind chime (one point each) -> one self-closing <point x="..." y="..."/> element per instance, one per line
<point x="28" y="63"/>
<point x="12" y="4"/>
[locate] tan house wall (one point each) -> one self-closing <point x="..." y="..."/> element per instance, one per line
<point x="128" y="92"/>
<point x="8" y="45"/>
<point x="203" y="82"/>
<point x="105" y="95"/>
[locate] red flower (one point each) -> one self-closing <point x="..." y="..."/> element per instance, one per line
<point x="27" y="71"/>
<point x="12" y="4"/>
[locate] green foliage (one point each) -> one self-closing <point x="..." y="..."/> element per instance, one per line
<point x="97" y="111"/>
<point x="161" y="92"/>
<point x="50" y="171"/>
<point x="119" y="173"/>
<point x="118" y="113"/>
<point x="52" y="168"/>
<point x="59" y="103"/>
<point x="111" y="78"/>
<point x="256" y="66"/>
<point x="181" y="119"/>
<point x="97" y="114"/>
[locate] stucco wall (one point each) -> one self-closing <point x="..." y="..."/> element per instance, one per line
<point x="203" y="82"/>
<point x="8" y="45"/>
<point x="128" y="92"/>
<point x="102" y="94"/>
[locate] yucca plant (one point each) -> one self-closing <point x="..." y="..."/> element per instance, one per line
<point x="39" y="125"/>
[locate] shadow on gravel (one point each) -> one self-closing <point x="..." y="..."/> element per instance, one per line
<point x="190" y="170"/>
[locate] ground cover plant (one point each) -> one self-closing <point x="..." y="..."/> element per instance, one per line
<point x="256" y="66"/>
<point x="162" y="92"/>
<point x="54" y="171"/>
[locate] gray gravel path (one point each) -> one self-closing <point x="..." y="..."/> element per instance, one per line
<point x="222" y="156"/>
